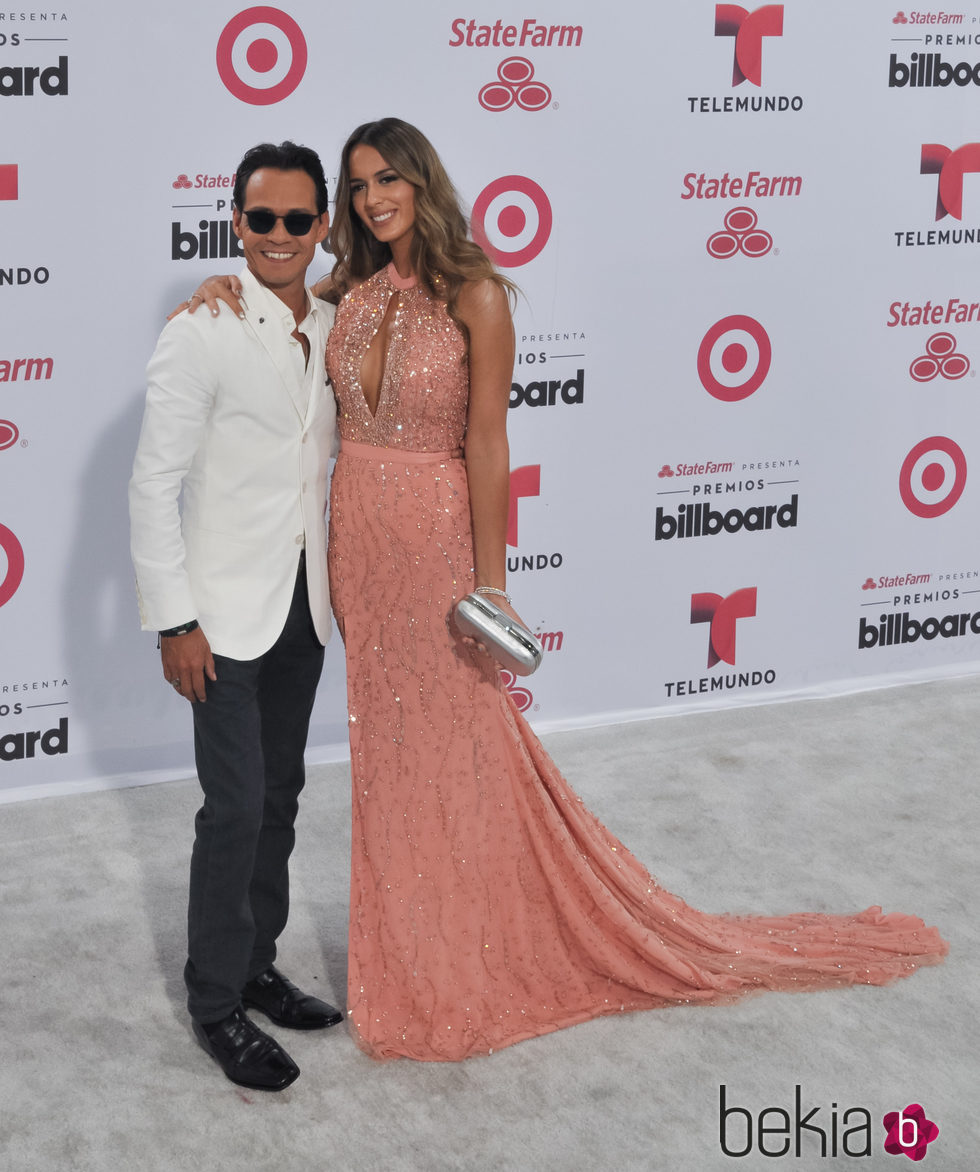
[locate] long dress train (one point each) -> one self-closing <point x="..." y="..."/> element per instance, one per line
<point x="488" y="905"/>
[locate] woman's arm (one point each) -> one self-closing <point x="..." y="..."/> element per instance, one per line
<point x="483" y="307"/>
<point x="211" y="292"/>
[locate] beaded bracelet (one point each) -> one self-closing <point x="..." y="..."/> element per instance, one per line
<point x="493" y="590"/>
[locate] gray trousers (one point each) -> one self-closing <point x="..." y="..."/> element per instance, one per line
<point x="249" y="740"/>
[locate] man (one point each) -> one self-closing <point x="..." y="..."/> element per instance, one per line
<point x="240" y="421"/>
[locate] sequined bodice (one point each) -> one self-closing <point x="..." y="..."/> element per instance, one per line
<point x="424" y="392"/>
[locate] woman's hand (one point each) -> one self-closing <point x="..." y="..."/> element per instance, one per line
<point x="211" y="293"/>
<point x="508" y="609"/>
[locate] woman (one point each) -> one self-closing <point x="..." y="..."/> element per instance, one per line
<point x="487" y="904"/>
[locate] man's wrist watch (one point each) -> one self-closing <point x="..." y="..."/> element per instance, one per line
<point x="184" y="629"/>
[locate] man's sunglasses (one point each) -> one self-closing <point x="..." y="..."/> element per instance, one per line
<point x="295" y="223"/>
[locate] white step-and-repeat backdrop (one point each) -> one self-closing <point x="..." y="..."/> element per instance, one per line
<point x="744" y="417"/>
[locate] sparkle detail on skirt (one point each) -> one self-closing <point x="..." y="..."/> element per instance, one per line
<point x="488" y="904"/>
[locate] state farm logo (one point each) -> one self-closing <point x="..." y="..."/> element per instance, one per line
<point x="932" y="477"/>
<point x="526" y="482"/>
<point x="748" y="30"/>
<point x="515" y="85"/>
<point x="740" y="235"/>
<point x="723" y="614"/>
<point x="940" y="358"/>
<point x="511" y="36"/>
<point x="928" y="18"/>
<point x="511" y="220"/>
<point x="261" y="56"/>
<point x="734" y="358"/>
<point x="11" y="564"/>
<point x="8" y="181"/>
<point x="203" y="182"/>
<point x="8" y="434"/>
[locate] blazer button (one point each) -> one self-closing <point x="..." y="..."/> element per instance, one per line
<point x="299" y="540"/>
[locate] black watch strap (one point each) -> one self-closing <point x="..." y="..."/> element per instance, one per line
<point x="183" y="629"/>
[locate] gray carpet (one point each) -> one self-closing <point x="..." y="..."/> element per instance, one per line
<point x="825" y="805"/>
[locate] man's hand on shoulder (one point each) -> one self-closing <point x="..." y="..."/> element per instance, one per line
<point x="187" y="659"/>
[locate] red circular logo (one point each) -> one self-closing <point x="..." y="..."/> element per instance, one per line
<point x="261" y="55"/>
<point x="740" y="235"/>
<point x="940" y="358"/>
<point x="8" y="434"/>
<point x="734" y="358"/>
<point x="933" y="477"/>
<point x="514" y="84"/>
<point x="14" y="552"/>
<point x="511" y="220"/>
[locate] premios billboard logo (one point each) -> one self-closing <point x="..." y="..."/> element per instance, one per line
<point x="261" y="55"/>
<point x="38" y="77"/>
<point x="512" y="220"/>
<point x="706" y="514"/>
<point x="934" y="66"/>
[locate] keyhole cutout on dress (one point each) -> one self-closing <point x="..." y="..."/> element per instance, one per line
<point x="376" y="356"/>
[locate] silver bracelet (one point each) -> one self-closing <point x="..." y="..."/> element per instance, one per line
<point x="493" y="590"/>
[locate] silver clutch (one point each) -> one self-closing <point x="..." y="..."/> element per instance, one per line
<point x="511" y="644"/>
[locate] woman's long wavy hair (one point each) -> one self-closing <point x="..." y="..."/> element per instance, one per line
<point x="441" y="255"/>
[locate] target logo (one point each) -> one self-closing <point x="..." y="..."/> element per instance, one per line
<point x="940" y="358"/>
<point x="748" y="29"/>
<point x="739" y="235"/>
<point x="512" y="220"/>
<point x="261" y="56"/>
<point x="950" y="166"/>
<point x="521" y="696"/>
<point x="514" y="84"/>
<point x="734" y="358"/>
<point x="12" y="551"/>
<point x="933" y="477"/>
<point x="8" y="434"/>
<point x="723" y="614"/>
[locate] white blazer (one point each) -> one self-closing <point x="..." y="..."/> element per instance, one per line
<point x="224" y="427"/>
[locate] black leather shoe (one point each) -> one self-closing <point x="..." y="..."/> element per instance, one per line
<point x="247" y="1055"/>
<point x="281" y="1002"/>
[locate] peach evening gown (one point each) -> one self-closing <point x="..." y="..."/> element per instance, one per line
<point x="488" y="905"/>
